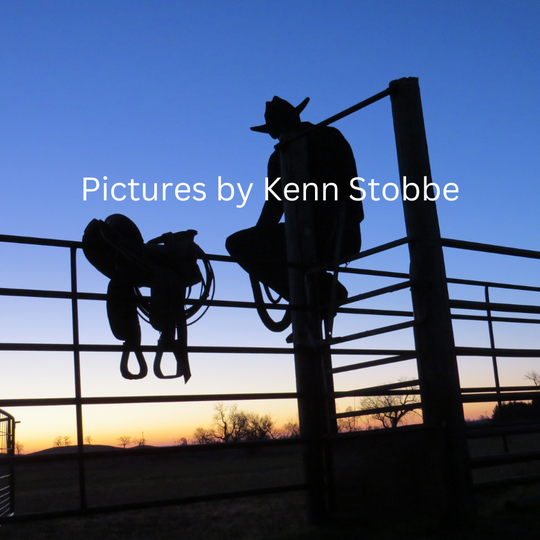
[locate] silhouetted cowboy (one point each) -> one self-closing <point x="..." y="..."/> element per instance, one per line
<point x="261" y="250"/>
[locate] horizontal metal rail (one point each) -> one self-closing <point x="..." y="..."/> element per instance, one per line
<point x="485" y="318"/>
<point x="13" y="239"/>
<point x="506" y="482"/>
<point x="523" y="388"/>
<point x="369" y="392"/>
<point x="490" y="248"/>
<point x="378" y="312"/>
<point x="494" y="306"/>
<point x="373" y="363"/>
<point x="498" y="396"/>
<point x="347" y="112"/>
<point x="369" y="272"/>
<point x="65" y="347"/>
<point x="69" y="347"/>
<point x="66" y="295"/>
<point x="499" y="429"/>
<point x="115" y="400"/>
<point x="393" y="389"/>
<point x="369" y="333"/>
<point x="493" y="284"/>
<point x="378" y="292"/>
<point x="368" y="412"/>
<point x="361" y="255"/>
<point x="487" y="351"/>
<point x="383" y="390"/>
<point x="504" y="459"/>
<point x="160" y="503"/>
<point x="379" y="249"/>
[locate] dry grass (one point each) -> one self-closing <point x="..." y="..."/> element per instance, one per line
<point x="53" y="486"/>
<point x="243" y="519"/>
<point x="494" y="445"/>
<point x="509" y="514"/>
<point x="134" y="478"/>
<point x="280" y="518"/>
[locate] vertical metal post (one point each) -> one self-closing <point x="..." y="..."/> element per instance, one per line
<point x="492" y="344"/>
<point x="495" y="364"/>
<point x="11" y="453"/>
<point x="310" y="355"/>
<point x="77" y="373"/>
<point x="436" y="358"/>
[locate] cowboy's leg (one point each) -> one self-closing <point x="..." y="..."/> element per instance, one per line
<point x="262" y="253"/>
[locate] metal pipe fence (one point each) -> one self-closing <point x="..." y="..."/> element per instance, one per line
<point x="79" y="400"/>
<point x="484" y="311"/>
<point x="489" y="312"/>
<point x="404" y="95"/>
<point x="7" y="448"/>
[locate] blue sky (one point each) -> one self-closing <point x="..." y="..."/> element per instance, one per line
<point x="165" y="92"/>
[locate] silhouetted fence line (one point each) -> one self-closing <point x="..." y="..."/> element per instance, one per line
<point x="479" y="311"/>
<point x="79" y="400"/>
<point x="482" y="311"/>
<point x="7" y="448"/>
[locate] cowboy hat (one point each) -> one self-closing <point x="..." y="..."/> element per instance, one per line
<point x="280" y="113"/>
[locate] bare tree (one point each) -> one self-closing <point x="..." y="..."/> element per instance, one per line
<point x="259" y="427"/>
<point x="61" y="440"/>
<point x="348" y="423"/>
<point x="391" y="409"/>
<point x="88" y="439"/>
<point x="124" y="441"/>
<point x="290" y="429"/>
<point x="19" y="447"/>
<point x="533" y="376"/>
<point x="204" y="436"/>
<point x="180" y="441"/>
<point x="231" y="425"/>
<point x="141" y="441"/>
<point x="58" y="442"/>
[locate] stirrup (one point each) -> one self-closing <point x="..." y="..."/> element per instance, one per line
<point x="273" y="326"/>
<point x="124" y="369"/>
<point x="181" y="357"/>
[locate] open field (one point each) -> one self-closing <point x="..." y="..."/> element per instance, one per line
<point x="239" y="519"/>
<point x="281" y="518"/>
<point x="132" y="477"/>
<point x="504" y="514"/>
<point x="53" y="486"/>
<point x="526" y="442"/>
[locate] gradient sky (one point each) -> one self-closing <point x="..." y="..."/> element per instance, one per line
<point x="165" y="92"/>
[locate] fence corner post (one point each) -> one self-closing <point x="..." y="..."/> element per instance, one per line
<point x="311" y="357"/>
<point x="436" y="357"/>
